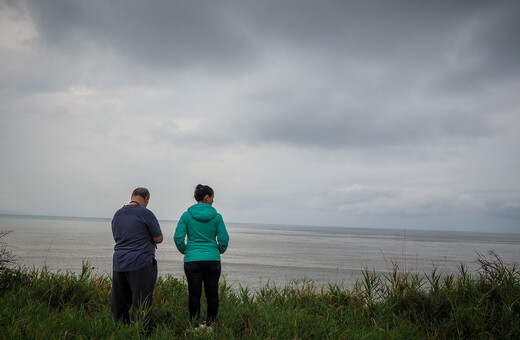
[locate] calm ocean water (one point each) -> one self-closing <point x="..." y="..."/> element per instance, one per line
<point x="261" y="254"/>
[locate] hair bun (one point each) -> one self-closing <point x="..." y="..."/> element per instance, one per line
<point x="201" y="191"/>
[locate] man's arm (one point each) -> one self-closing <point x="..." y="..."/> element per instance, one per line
<point x="154" y="228"/>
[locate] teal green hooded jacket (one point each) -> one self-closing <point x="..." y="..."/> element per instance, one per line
<point x="206" y="232"/>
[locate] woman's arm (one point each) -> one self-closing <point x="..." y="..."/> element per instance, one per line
<point x="222" y="236"/>
<point x="180" y="236"/>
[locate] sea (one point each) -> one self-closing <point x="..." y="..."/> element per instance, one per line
<point x="264" y="255"/>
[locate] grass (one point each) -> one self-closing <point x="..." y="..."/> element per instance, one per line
<point x="38" y="304"/>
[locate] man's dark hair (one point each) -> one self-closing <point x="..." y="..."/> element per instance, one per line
<point x="143" y="192"/>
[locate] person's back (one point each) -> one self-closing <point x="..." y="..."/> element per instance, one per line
<point x="134" y="247"/>
<point x="206" y="233"/>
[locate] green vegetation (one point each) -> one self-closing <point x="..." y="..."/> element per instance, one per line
<point x="37" y="304"/>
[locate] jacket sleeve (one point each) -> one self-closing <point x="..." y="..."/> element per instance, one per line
<point x="180" y="236"/>
<point x="222" y="236"/>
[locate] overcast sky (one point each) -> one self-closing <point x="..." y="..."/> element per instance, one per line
<point x="401" y="114"/>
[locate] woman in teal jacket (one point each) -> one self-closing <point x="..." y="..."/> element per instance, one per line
<point x="207" y="239"/>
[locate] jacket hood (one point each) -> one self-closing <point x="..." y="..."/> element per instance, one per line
<point x="202" y="212"/>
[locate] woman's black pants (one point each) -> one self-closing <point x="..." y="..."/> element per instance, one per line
<point x="207" y="272"/>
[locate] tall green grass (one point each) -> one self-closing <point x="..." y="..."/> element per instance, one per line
<point x="38" y="304"/>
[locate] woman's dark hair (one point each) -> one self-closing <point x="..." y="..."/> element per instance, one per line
<point x="201" y="191"/>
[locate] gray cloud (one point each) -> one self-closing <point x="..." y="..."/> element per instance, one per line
<point x="307" y="124"/>
<point x="166" y="35"/>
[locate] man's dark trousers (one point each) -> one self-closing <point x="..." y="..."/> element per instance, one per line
<point x="134" y="289"/>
